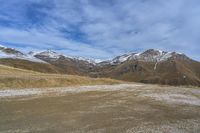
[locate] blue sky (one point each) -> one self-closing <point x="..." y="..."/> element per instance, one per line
<point x="101" y="28"/>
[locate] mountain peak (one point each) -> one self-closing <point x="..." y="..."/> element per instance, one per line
<point x="150" y="55"/>
<point x="49" y="54"/>
<point x="154" y="52"/>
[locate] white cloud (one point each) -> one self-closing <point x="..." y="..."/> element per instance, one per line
<point x="103" y="29"/>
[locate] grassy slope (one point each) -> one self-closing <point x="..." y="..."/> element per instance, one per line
<point x="19" y="78"/>
<point x="168" y="73"/>
<point x="28" y="65"/>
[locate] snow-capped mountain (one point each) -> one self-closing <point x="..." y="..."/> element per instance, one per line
<point x="150" y="66"/>
<point x="89" y="60"/>
<point x="52" y="55"/>
<point x="15" y="54"/>
<point x="46" y="61"/>
<point x="150" y="55"/>
<point x="48" y="54"/>
<point x="64" y="63"/>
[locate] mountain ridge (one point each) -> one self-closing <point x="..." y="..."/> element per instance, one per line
<point x="158" y="55"/>
<point x="150" y="66"/>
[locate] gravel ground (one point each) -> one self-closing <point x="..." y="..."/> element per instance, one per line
<point x="124" y="108"/>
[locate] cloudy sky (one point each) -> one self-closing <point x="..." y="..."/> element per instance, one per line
<point x="101" y="28"/>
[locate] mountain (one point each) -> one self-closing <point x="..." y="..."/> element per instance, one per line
<point x="15" y="54"/>
<point x="150" y="66"/>
<point x="15" y="58"/>
<point x="150" y="55"/>
<point x="52" y="55"/>
<point x="45" y="61"/>
<point x="66" y="64"/>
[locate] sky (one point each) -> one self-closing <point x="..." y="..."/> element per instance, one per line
<point x="101" y="29"/>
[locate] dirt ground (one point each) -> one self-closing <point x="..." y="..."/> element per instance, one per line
<point x="125" y="108"/>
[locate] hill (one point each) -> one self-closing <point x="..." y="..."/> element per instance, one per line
<point x="152" y="66"/>
<point x="18" y="78"/>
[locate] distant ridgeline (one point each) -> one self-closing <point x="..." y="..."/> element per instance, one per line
<point x="150" y="66"/>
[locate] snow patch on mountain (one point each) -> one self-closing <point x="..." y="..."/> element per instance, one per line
<point x="49" y="54"/>
<point x="121" y="59"/>
<point x="155" y="66"/>
<point x="165" y="56"/>
<point x="150" y="55"/>
<point x="54" y="55"/>
<point x="89" y="60"/>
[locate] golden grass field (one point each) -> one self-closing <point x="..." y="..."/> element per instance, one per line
<point x="18" y="78"/>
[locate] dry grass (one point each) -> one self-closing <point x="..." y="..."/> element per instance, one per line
<point x="19" y="78"/>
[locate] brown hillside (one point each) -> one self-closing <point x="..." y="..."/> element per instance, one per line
<point x="172" y="72"/>
<point x="28" y="65"/>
